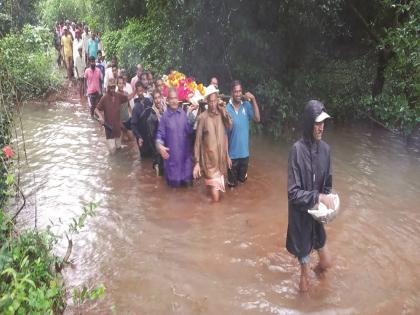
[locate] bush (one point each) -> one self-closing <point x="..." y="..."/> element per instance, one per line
<point x="28" y="282"/>
<point x="142" y="41"/>
<point x="277" y="106"/>
<point x="394" y="111"/>
<point x="27" y="63"/>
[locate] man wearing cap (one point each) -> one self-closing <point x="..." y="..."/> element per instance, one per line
<point x="210" y="149"/>
<point x="108" y="111"/>
<point x="67" y="51"/>
<point x="309" y="182"/>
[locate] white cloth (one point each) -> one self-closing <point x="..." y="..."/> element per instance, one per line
<point x="128" y="89"/>
<point x="80" y="65"/>
<point x="108" y="75"/>
<point x="76" y="44"/>
<point x="323" y="214"/>
<point x="85" y="38"/>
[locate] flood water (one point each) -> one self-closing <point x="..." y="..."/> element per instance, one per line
<point x="159" y="250"/>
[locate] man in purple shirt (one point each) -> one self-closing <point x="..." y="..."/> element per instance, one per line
<point x="173" y="141"/>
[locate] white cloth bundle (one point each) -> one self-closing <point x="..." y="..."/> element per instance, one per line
<point x="323" y="214"/>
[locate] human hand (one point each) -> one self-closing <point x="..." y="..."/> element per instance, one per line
<point x="197" y="171"/>
<point x="164" y="152"/>
<point x="249" y="96"/>
<point x="327" y="200"/>
<point x="229" y="161"/>
<point x="221" y="105"/>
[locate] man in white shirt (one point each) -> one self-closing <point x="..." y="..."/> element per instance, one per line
<point x="109" y="72"/>
<point x="79" y="70"/>
<point x="134" y="80"/>
<point x="85" y="39"/>
<point x="77" y="42"/>
<point x="127" y="87"/>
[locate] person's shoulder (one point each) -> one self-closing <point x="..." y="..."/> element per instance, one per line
<point x="324" y="146"/>
<point x="298" y="145"/>
<point x="123" y="97"/>
<point x="229" y="106"/>
<point x="147" y="102"/>
<point x="203" y="116"/>
<point x="246" y="103"/>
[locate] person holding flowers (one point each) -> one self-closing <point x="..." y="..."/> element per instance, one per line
<point x="211" y="144"/>
<point x="173" y="141"/>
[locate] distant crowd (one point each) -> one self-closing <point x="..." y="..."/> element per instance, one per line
<point x="187" y="140"/>
<point x="184" y="140"/>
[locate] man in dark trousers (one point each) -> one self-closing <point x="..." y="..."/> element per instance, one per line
<point x="141" y="111"/>
<point x="309" y="182"/>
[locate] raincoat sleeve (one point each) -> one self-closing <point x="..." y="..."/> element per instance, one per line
<point x="161" y="132"/>
<point x="328" y="180"/>
<point x="152" y="122"/>
<point x="135" y="121"/>
<point x="301" y="199"/>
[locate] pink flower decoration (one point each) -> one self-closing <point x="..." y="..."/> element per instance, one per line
<point x="189" y="80"/>
<point x="8" y="152"/>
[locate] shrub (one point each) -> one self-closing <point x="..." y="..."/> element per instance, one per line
<point x="27" y="62"/>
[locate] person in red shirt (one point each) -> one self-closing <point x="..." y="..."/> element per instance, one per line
<point x="108" y="112"/>
<point x="93" y="84"/>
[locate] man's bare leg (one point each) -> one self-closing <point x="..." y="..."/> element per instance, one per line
<point x="324" y="261"/>
<point x="304" y="281"/>
<point x="215" y="194"/>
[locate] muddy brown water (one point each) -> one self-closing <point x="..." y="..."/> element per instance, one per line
<point x="159" y="250"/>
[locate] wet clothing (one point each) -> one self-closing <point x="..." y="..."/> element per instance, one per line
<point x="111" y="105"/>
<point x="93" y="99"/>
<point x="239" y="133"/>
<point x="140" y="126"/>
<point x="152" y="123"/>
<point x="175" y="132"/>
<point x="238" y="171"/>
<point x="210" y="143"/>
<point x="309" y="174"/>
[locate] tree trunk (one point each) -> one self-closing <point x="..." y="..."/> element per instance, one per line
<point x="383" y="57"/>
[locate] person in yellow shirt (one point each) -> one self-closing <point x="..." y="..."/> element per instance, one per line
<point x="67" y="51"/>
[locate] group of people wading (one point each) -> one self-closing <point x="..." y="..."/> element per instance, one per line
<point x="186" y="143"/>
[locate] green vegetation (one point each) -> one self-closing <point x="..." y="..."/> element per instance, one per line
<point x="361" y="58"/>
<point x="30" y="273"/>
